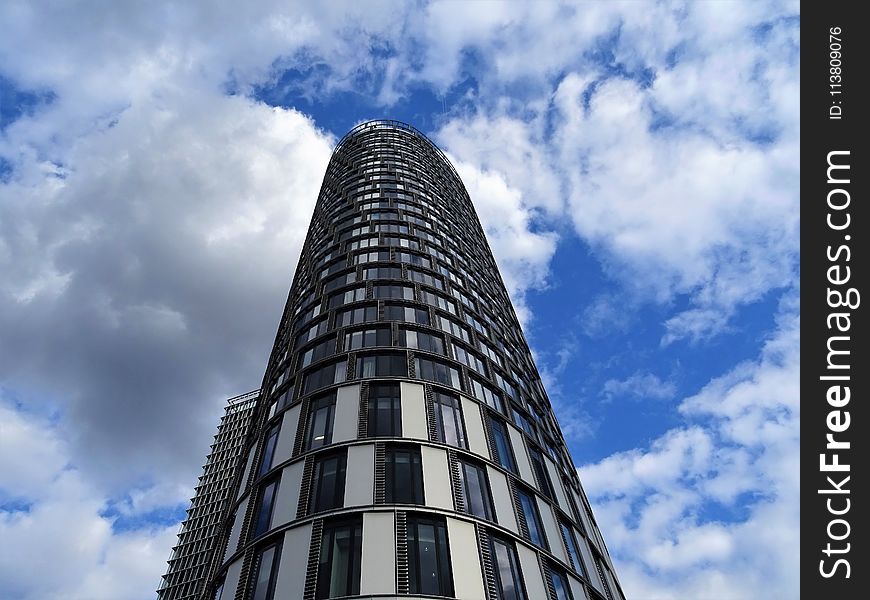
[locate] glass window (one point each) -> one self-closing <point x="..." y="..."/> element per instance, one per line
<point x="368" y="338"/>
<point x="346" y="297"/>
<point x="338" y="569"/>
<point x="522" y="421"/>
<point x="404" y="475"/>
<point x="339" y="281"/>
<point x="541" y="474"/>
<point x="269" y="449"/>
<point x="506" y="564"/>
<point x="385" y="410"/>
<point x="381" y="365"/>
<point x="452" y="327"/>
<point x="267" y="572"/>
<point x="321" y="413"/>
<point x="571" y="547"/>
<point x="413" y="259"/>
<point x="439" y="372"/>
<point x="351" y="316"/>
<point x="264" y="510"/>
<point x="434" y="299"/>
<point x="529" y="511"/>
<point x="504" y="454"/>
<point x="420" y="340"/>
<point x="371" y="256"/>
<point x="449" y="427"/>
<point x="316" y="352"/>
<point x="429" y="569"/>
<point x="559" y="581"/>
<point x="469" y="358"/>
<point x="402" y="242"/>
<point x="407" y="314"/>
<point x="313" y="331"/>
<point x="491" y="353"/>
<point x="425" y="278"/>
<point x="324" y="376"/>
<point x="382" y="273"/>
<point x="362" y="243"/>
<point x="393" y="291"/>
<point x="475" y="490"/>
<point x="327" y="488"/>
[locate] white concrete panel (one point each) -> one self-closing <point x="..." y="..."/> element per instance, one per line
<point x="237" y="529"/>
<point x="378" y="569"/>
<point x="532" y="575"/>
<point x="522" y="456"/>
<point x="591" y="571"/>
<point x="359" y="482"/>
<point x="551" y="528"/>
<point x="248" y="463"/>
<point x="294" y="562"/>
<point x="501" y="497"/>
<point x="346" y="413"/>
<point x="465" y="559"/>
<point x="474" y="431"/>
<point x="556" y="480"/>
<point x="578" y="590"/>
<point x="287" y="435"/>
<point x="413" y="412"/>
<point x="287" y="500"/>
<point x="231" y="581"/>
<point x="436" y="478"/>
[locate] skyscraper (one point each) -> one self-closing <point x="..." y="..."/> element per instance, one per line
<point x="403" y="443"/>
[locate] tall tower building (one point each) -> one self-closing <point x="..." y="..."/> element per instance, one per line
<point x="403" y="444"/>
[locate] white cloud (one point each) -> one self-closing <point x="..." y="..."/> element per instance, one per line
<point x="710" y="509"/>
<point x="63" y="547"/>
<point x="639" y="386"/>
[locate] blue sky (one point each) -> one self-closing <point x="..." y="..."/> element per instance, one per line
<point x="635" y="167"/>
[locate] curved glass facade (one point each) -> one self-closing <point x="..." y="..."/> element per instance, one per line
<point x="403" y="443"/>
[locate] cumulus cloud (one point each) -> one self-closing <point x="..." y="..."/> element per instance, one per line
<point x="638" y="386"/>
<point x="710" y="508"/>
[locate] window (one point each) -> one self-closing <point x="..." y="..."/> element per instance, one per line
<point x="269" y="449"/>
<point x="420" y="340"/>
<point x="324" y="376"/>
<point x="506" y="565"/>
<point x="439" y="372"/>
<point x="522" y="421"/>
<point x="313" y="331"/>
<point x="380" y="365"/>
<point x="316" y="352"/>
<point x="407" y="314"/>
<point x="449" y="427"/>
<point x="264" y="510"/>
<point x="327" y="488"/>
<point x="382" y="273"/>
<point x="371" y="256"/>
<point x="338" y="569"/>
<point x="541" y="474"/>
<point x="339" y="281"/>
<point x="504" y="454"/>
<point x="352" y="316"/>
<point x="559" y="582"/>
<point x="404" y="475"/>
<point x="267" y="573"/>
<point x="529" y="513"/>
<point x="362" y="243"/>
<point x="571" y="547"/>
<point x="384" y="410"/>
<point x="402" y="242"/>
<point x="368" y="338"/>
<point x="452" y="327"/>
<point x="321" y="413"/>
<point x="506" y="387"/>
<point x="469" y="358"/>
<point x="425" y="278"/>
<point x="475" y="490"/>
<point x="393" y="291"/>
<point x="413" y="259"/>
<point x="434" y="299"/>
<point x="491" y="353"/>
<point x="346" y="297"/>
<point x="429" y="569"/>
